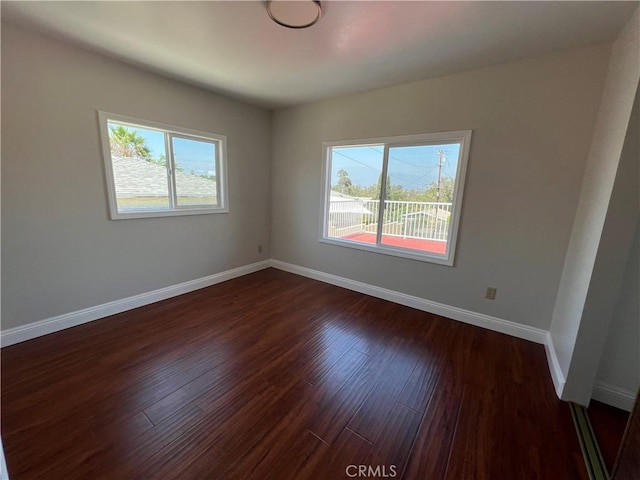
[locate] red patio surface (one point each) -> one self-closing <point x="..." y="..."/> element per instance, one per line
<point x="431" y="246"/>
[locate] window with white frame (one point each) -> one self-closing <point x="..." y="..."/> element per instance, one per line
<point x="157" y="170"/>
<point x="397" y="195"/>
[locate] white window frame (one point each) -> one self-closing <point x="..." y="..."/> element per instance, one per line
<point x="170" y="131"/>
<point x="463" y="137"/>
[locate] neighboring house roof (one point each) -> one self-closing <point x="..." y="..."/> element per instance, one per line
<point x="341" y="203"/>
<point x="440" y="213"/>
<point x="138" y="178"/>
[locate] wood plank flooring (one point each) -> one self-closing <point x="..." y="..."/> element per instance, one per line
<point x="275" y="376"/>
<point x="608" y="424"/>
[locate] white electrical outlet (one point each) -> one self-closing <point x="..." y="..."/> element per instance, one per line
<point x="491" y="293"/>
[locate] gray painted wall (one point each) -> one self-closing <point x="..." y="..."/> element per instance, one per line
<point x="532" y="123"/>
<point x="60" y="252"/>
<point x="591" y="278"/>
<point x="620" y="361"/>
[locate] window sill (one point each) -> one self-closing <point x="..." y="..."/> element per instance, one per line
<point x="446" y="260"/>
<point x="166" y="213"/>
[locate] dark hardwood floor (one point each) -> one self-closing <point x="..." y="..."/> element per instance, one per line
<point x="608" y="424"/>
<point x="277" y="376"/>
<point x="627" y="466"/>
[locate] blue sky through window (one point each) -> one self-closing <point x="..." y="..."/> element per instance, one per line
<point x="190" y="155"/>
<point x="413" y="167"/>
<point x="194" y="155"/>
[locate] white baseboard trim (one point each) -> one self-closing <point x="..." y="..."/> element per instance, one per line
<point x="557" y="376"/>
<point x="614" y="396"/>
<point x="533" y="334"/>
<point x="54" y="324"/>
<point x="72" y="319"/>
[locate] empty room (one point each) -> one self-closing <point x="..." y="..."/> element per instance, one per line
<point x="320" y="240"/>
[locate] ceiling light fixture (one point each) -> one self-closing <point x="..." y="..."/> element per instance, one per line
<point x="294" y="13"/>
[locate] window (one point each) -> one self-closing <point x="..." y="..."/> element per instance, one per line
<point x="399" y="195"/>
<point x="156" y="170"/>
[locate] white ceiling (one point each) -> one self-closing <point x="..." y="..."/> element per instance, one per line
<point x="234" y="48"/>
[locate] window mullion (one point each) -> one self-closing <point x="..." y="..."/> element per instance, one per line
<point x="383" y="194"/>
<point x="218" y="171"/>
<point x="168" y="145"/>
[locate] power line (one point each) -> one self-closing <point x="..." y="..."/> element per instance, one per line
<point x="395" y="176"/>
<point x="447" y="152"/>
<point x="396" y="158"/>
<point x="357" y="161"/>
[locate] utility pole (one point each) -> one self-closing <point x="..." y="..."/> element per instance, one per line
<point x="442" y="158"/>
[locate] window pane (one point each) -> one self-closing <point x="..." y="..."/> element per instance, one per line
<point x="355" y="193"/>
<point x="138" y="162"/>
<point x="195" y="172"/>
<point x="419" y="197"/>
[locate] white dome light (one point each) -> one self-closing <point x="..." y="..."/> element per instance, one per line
<point x="294" y="13"/>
